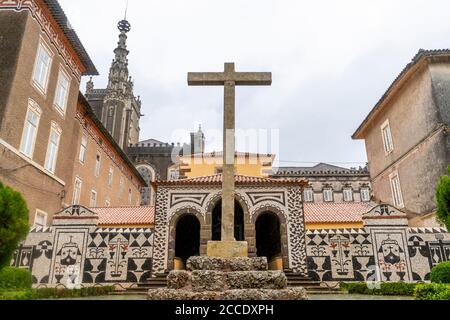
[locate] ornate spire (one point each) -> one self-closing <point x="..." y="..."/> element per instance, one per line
<point x="118" y="74"/>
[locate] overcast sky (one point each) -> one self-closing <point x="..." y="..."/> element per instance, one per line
<point x="331" y="62"/>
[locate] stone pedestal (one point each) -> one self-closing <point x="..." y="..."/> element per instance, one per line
<point x="213" y="278"/>
<point x="227" y="249"/>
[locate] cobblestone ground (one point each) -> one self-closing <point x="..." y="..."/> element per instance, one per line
<point x="311" y="297"/>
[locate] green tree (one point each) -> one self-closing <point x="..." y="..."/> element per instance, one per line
<point x="13" y="223"/>
<point x="443" y="200"/>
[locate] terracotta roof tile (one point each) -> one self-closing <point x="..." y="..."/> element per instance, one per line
<point x="335" y="212"/>
<point x="240" y="180"/>
<point x="314" y="213"/>
<point x="121" y="216"/>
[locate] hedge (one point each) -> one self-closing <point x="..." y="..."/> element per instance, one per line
<point x="441" y="273"/>
<point x="385" y="288"/>
<point x="15" y="278"/>
<point x="55" y="293"/>
<point x="432" y="291"/>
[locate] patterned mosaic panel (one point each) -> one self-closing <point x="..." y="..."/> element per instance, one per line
<point x="339" y="255"/>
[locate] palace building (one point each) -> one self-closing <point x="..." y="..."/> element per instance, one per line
<point x="52" y="147"/>
<point x="407" y="136"/>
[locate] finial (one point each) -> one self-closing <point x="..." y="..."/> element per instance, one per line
<point x="124" y="25"/>
<point x="126" y="10"/>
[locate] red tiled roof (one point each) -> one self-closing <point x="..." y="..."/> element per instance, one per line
<point x="240" y="180"/>
<point x="121" y="216"/>
<point x="314" y="213"/>
<point x="335" y="212"/>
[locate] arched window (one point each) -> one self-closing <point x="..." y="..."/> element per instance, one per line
<point x="148" y="173"/>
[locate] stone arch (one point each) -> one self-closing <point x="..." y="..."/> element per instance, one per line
<point x="284" y="239"/>
<point x="268" y="238"/>
<point x="187" y="238"/>
<point x="240" y="200"/>
<point x="174" y="219"/>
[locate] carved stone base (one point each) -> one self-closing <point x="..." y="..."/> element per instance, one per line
<point x="227" y="249"/>
<point x="213" y="278"/>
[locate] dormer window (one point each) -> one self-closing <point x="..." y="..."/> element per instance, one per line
<point x="308" y="195"/>
<point x="328" y="194"/>
<point x="347" y="194"/>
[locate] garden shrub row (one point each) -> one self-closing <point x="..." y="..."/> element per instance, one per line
<point x="15" y="278"/>
<point x="54" y="293"/>
<point x="383" y="288"/>
<point x="432" y="291"/>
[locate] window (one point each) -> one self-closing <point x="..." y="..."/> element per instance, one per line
<point x="30" y="129"/>
<point x="42" y="68"/>
<point x="110" y="177"/>
<point x="347" y="194"/>
<point x="396" y="190"/>
<point x="77" y="191"/>
<point x="83" y="149"/>
<point x="40" y="219"/>
<point x="308" y="195"/>
<point x="93" y="202"/>
<point x="121" y="184"/>
<point x="328" y="195"/>
<point x="52" y="148"/>
<point x="129" y="196"/>
<point x="365" y="194"/>
<point x="97" y="165"/>
<point x="62" y="92"/>
<point x="387" y="137"/>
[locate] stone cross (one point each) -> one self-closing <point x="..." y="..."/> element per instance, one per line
<point x="229" y="79"/>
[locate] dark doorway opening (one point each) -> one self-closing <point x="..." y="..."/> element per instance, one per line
<point x="238" y="222"/>
<point x="268" y="236"/>
<point x="187" y="238"/>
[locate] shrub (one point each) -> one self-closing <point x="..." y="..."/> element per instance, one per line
<point x="441" y="273"/>
<point x="443" y="200"/>
<point x="17" y="295"/>
<point x="15" y="278"/>
<point x="385" y="289"/>
<point x="55" y="293"/>
<point x="13" y="223"/>
<point x="432" y="291"/>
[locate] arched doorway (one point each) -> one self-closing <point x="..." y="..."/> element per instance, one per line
<point x="187" y="238"/>
<point x="216" y="225"/>
<point x="268" y="239"/>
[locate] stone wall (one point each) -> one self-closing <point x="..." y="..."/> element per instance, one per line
<point x="385" y="249"/>
<point x="74" y="252"/>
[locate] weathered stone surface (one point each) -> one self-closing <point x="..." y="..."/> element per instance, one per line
<point x="178" y="279"/>
<point x="227" y="249"/>
<point x="208" y="280"/>
<point x="224" y="264"/>
<point x="256" y="280"/>
<point x="173" y="294"/>
<point x="265" y="294"/>
<point x="240" y="294"/>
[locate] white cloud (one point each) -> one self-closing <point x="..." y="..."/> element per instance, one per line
<point x="331" y="62"/>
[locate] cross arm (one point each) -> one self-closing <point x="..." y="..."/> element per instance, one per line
<point x="206" y="78"/>
<point x="253" y="78"/>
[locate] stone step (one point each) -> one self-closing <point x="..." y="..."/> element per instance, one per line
<point x="325" y="292"/>
<point x="226" y="264"/>
<point x="239" y="294"/>
<point x="210" y="280"/>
